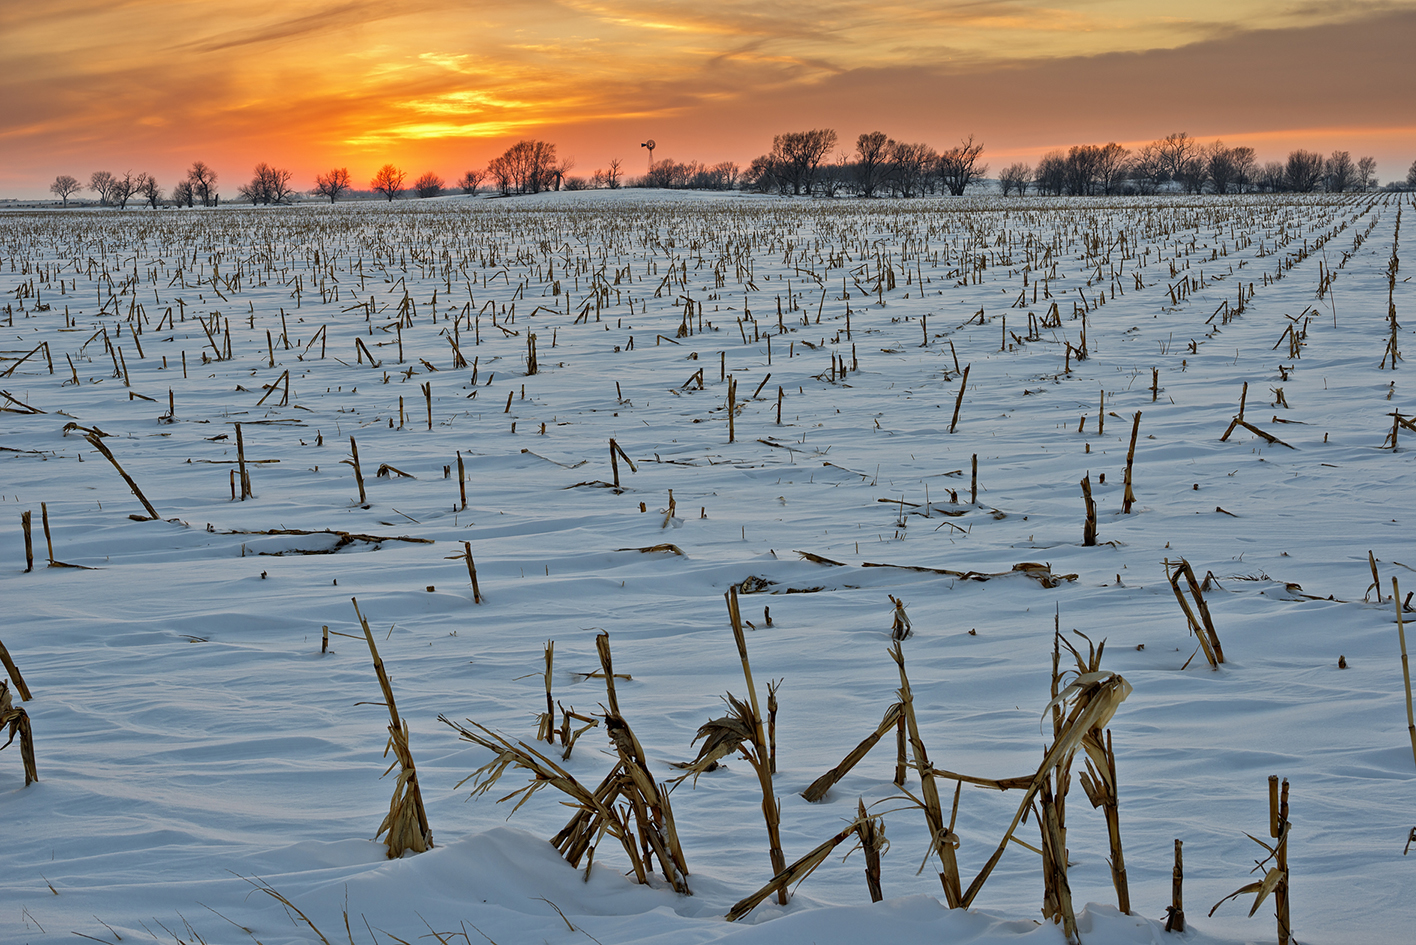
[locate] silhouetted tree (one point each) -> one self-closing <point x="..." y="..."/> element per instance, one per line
<point x="182" y="194"/>
<point x="1338" y="172"/>
<point x="834" y="175"/>
<point x="1148" y="168"/>
<point x="1051" y="174"/>
<point x="1082" y="163"/>
<point x="1366" y="173"/>
<point x="909" y="167"/>
<point x="1193" y="173"/>
<point x="150" y="191"/>
<point x="1272" y="177"/>
<point x="429" y="185"/>
<point x="1111" y="166"/>
<point x="203" y="182"/>
<point x="333" y="184"/>
<point x="471" y="181"/>
<point x="63" y="186"/>
<point x="872" y="153"/>
<point x="1015" y="177"/>
<point x="612" y="174"/>
<point x="1411" y="177"/>
<point x="526" y="167"/>
<point x="1303" y="170"/>
<point x="121" y="189"/>
<point x="388" y="181"/>
<point x="959" y="166"/>
<point x="268" y="185"/>
<point x="1178" y="153"/>
<point x="798" y="156"/>
<point x="1244" y="164"/>
<point x="101" y="183"/>
<point x="765" y="174"/>
<point x="1220" y="166"/>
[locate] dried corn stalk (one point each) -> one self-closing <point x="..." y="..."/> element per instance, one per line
<point x="1202" y="626"/>
<point x="1088" y="703"/>
<point x="407" y="821"/>
<point x="758" y="756"/>
<point x="1275" y="879"/>
<point x="818" y="788"/>
<point x="943" y="840"/>
<point x="1099" y="779"/>
<point x="17" y="720"/>
<point x="628" y="804"/>
<point x="871" y="833"/>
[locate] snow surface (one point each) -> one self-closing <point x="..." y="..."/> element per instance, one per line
<point x="192" y="741"/>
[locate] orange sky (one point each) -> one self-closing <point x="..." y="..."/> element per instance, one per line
<point x="442" y="85"/>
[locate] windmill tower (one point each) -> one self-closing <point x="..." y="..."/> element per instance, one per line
<point x="650" y="145"/>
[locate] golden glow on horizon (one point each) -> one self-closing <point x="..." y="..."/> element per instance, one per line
<point x="316" y="83"/>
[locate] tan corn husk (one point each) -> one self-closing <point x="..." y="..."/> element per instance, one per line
<point x="1089" y="702"/>
<point x="863" y="824"/>
<point x="18" y="721"/>
<point x="407" y="821"/>
<point x="819" y="787"/>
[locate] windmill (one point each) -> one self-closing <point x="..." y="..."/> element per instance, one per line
<point x="650" y="145"/>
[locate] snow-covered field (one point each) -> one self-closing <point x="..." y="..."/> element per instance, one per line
<point x="193" y="742"/>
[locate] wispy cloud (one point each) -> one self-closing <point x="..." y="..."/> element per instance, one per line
<point x="153" y="82"/>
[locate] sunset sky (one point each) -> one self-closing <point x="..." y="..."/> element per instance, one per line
<point x="152" y="85"/>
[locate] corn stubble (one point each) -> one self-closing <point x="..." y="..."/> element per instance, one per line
<point x="407" y="821"/>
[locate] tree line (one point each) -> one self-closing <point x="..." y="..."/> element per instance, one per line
<point x="1180" y="162"/>
<point x="802" y="163"/>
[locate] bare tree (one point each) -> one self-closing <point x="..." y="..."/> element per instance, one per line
<point x="1111" y="166"/>
<point x="268" y="185"/>
<point x="278" y="184"/>
<point x="333" y="184"/>
<point x="872" y="153"/>
<point x="959" y="166"/>
<point x="429" y="185"/>
<point x="182" y="194"/>
<point x="101" y="183"/>
<point x="203" y="182"/>
<point x="1051" y="175"/>
<point x="388" y="181"/>
<point x="1411" y="177"/>
<point x="832" y="177"/>
<point x="909" y="167"/>
<point x="612" y="174"/>
<point x="1148" y="169"/>
<point x="499" y="171"/>
<point x="1303" y="170"/>
<point x="1245" y="163"/>
<point x="527" y="167"/>
<point x="799" y="155"/>
<point x="1272" y="177"/>
<point x="766" y="173"/>
<point x="1082" y="163"/>
<point x="1338" y="172"/>
<point x="1178" y="153"/>
<point x="63" y="186"/>
<point x="561" y="171"/>
<point x="1220" y="165"/>
<point x="471" y="181"/>
<point x="1193" y="173"/>
<point x="725" y="175"/>
<point x="150" y="191"/>
<point x="1366" y="173"/>
<point x="121" y="189"/>
<point x="1015" y="177"/>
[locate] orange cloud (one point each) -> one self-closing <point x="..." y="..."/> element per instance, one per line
<point x="308" y="84"/>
